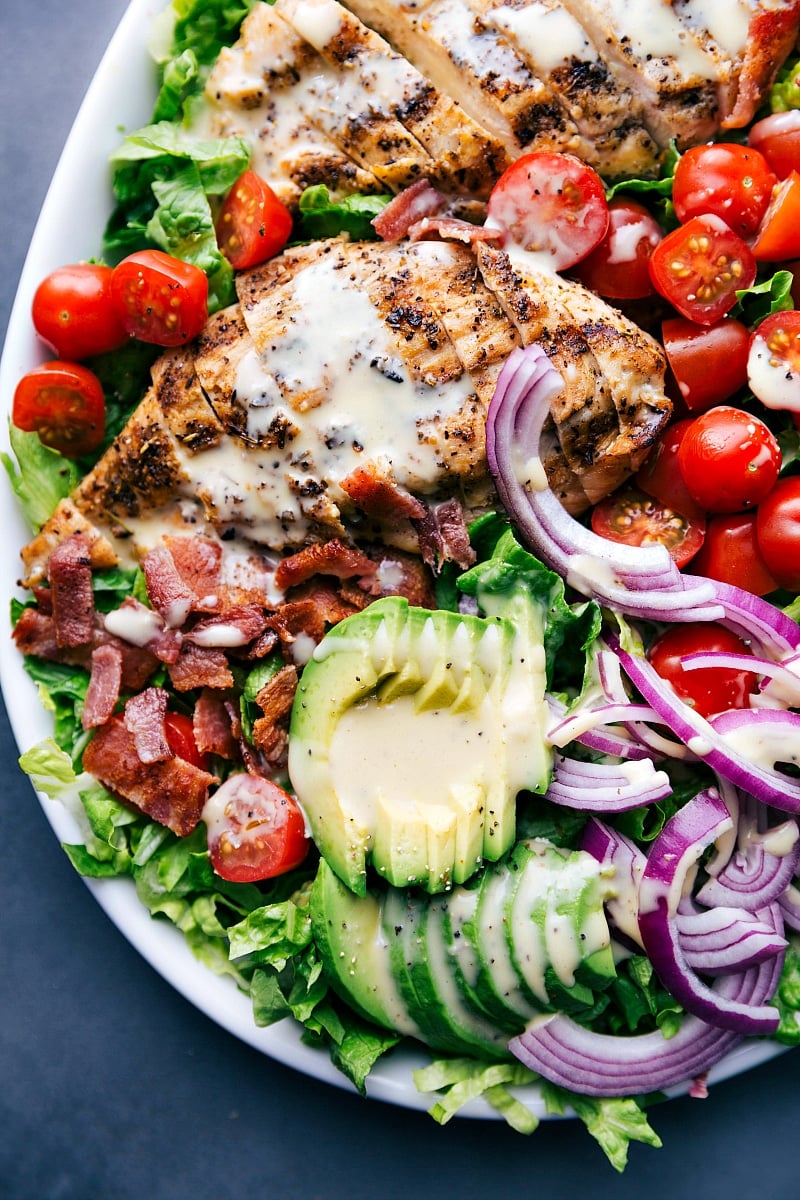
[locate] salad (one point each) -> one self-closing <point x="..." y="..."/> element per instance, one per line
<point x="642" y="852"/>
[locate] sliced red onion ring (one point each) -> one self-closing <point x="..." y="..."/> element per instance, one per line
<point x="715" y="940"/>
<point x="607" y="787"/>
<point x="615" y="850"/>
<point x="641" y="580"/>
<point x="718" y="742"/>
<point x="777" y="634"/>
<point x="754" y="876"/>
<point x="789" y="904"/>
<point x="674" y="852"/>
<point x="598" y="1064"/>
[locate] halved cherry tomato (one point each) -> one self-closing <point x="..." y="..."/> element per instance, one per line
<point x="700" y="266"/>
<point x="730" y="554"/>
<point x="73" y="312"/>
<point x="778" y="236"/>
<point x="252" y="224"/>
<point x="255" y="829"/>
<point x="773" y="364"/>
<point x="64" y="403"/>
<point x="636" y="519"/>
<point x="160" y="299"/>
<point x="733" y="181"/>
<point x="778" y="531"/>
<point x="729" y="459"/>
<point x="709" y="362"/>
<point x="777" y="137"/>
<point x="660" y="476"/>
<point x="617" y="267"/>
<point x="708" y="690"/>
<point x="180" y="739"/>
<point x="551" y="203"/>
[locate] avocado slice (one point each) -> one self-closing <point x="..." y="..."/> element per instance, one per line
<point x="411" y="735"/>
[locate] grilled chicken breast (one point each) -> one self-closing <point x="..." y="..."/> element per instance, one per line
<point x="342" y="358"/>
<point x="378" y="94"/>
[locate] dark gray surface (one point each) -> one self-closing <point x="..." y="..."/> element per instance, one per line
<point x="113" y="1086"/>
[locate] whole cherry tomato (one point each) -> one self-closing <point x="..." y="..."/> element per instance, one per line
<point x="729" y="459"/>
<point x="73" y="312"/>
<point x="708" y="690"/>
<point x="734" y="182"/>
<point x="617" y="268"/>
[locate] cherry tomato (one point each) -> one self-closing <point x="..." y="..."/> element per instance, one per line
<point x="253" y="224"/>
<point x="708" y="690"/>
<point x="180" y="739"/>
<point x="636" y="519"/>
<point x="255" y="829"/>
<point x="72" y="311"/>
<point x="729" y="459"/>
<point x="778" y="531"/>
<point x="160" y="299"/>
<point x="777" y="137"/>
<point x="730" y="554"/>
<point x="734" y="182"/>
<point x="778" y="237"/>
<point x="709" y="362"/>
<point x="64" y="403"/>
<point x="773" y="364"/>
<point x="660" y="476"/>
<point x="551" y="203"/>
<point x="700" y="266"/>
<point x="617" y="267"/>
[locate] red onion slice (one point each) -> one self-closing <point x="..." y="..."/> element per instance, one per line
<point x="673" y="854"/>
<point x="598" y="1064"/>
<point x="607" y="787"/>
<point x="716" y="940"/>
<point x="754" y="876"/>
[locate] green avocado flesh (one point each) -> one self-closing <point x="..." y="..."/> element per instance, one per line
<point x="411" y="735"/>
<point x="464" y="972"/>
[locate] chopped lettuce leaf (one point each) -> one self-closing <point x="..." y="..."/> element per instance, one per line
<point x="62" y="691"/>
<point x="40" y="476"/>
<point x="321" y="216"/>
<point x="772" y="295"/>
<point x="125" y="377"/>
<point x="614" y="1124"/>
<point x="256" y="679"/>
<point x="461" y="1080"/>
<point x="787" y="997"/>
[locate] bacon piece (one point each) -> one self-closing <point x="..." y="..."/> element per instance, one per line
<point x="397" y="574"/>
<point x="70" y="574"/>
<point x="35" y="634"/>
<point x="323" y="558"/>
<point x="198" y="561"/>
<point x="232" y="628"/>
<point x="134" y="622"/>
<point x="452" y="229"/>
<point x="172" y="792"/>
<point x="409" y="206"/>
<point x="270" y="732"/>
<point x="212" y="726"/>
<point x="104" y="686"/>
<point x="379" y="497"/>
<point x="144" y="720"/>
<point x="771" y="36"/>
<point x="443" y="536"/>
<point x="198" y="667"/>
<point x="168" y="593"/>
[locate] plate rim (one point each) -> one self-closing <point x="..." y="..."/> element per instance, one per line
<point x="96" y="130"/>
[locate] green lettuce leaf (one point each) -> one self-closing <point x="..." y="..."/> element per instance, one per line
<point x="769" y="296"/>
<point x="321" y="216"/>
<point x="614" y="1124"/>
<point x="39" y="476"/>
<point x="785" y="93"/>
<point x="460" y="1080"/>
<point x="787" y="997"/>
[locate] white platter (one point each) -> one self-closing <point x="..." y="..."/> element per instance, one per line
<point x="70" y="228"/>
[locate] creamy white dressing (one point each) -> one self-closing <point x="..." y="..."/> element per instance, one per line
<point x="771" y="378"/>
<point x="654" y="31"/>
<point x="727" y="21"/>
<point x="493" y="935"/>
<point x="547" y="34"/>
<point x="318" y="21"/>
<point x="134" y="623"/>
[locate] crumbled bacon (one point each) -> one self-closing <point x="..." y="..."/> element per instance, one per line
<point x="168" y="593"/>
<point x="419" y="200"/>
<point x="452" y="229"/>
<point x="198" y="667"/>
<point x="198" y="561"/>
<point x="70" y="574"/>
<point x="144" y="720"/>
<point x="105" y="680"/>
<point x="771" y="36"/>
<point x="270" y="732"/>
<point x="35" y="634"/>
<point x="443" y="536"/>
<point x="172" y="792"/>
<point x="139" y="625"/>
<point x="397" y="574"/>
<point x="323" y="558"/>
<point x="379" y="497"/>
<point x="232" y="628"/>
<point x="212" y="725"/>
